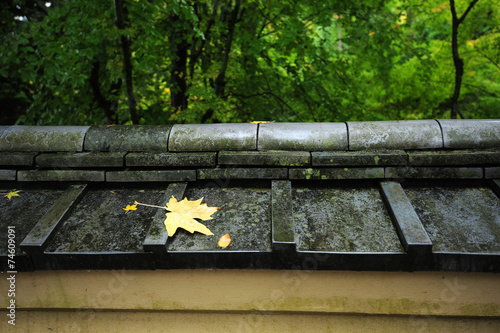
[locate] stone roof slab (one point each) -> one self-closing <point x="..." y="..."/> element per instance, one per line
<point x="43" y="138"/>
<point x="127" y="138"/>
<point x="416" y="134"/>
<point x="470" y="133"/>
<point x="213" y="137"/>
<point x="302" y="136"/>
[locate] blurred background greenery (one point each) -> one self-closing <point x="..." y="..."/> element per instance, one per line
<point x="161" y="62"/>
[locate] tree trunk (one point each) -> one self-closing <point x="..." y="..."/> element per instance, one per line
<point x="121" y="18"/>
<point x="178" y="73"/>
<point x="458" y="62"/>
<point x="108" y="106"/>
<point x="220" y="81"/>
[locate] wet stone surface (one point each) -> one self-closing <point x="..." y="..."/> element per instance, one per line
<point x="359" y="158"/>
<point x="213" y="137"/>
<point x="24" y="159"/>
<point x="492" y="173"/>
<point x="60" y="176"/>
<point x="243" y="173"/>
<point x="302" y="136"/>
<point x="459" y="219"/>
<point x="433" y="172"/>
<point x="7" y="174"/>
<point x="171" y="159"/>
<point x="245" y="215"/>
<point x="274" y="157"/>
<point x="454" y="157"/>
<point x="336" y="173"/>
<point x="477" y="133"/>
<point x="3" y="129"/>
<point x="43" y="138"/>
<point x="151" y="176"/>
<point x="342" y="220"/>
<point x="415" y="134"/>
<point x="282" y="206"/>
<point x="23" y="212"/>
<point x="80" y="160"/>
<point x="127" y="138"/>
<point x="99" y="223"/>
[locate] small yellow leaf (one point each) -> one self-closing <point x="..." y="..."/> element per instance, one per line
<point x="131" y="207"/>
<point x="12" y="194"/>
<point x="261" y="122"/>
<point x="224" y="241"/>
<point x="371" y="33"/>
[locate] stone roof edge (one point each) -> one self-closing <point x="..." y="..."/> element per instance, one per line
<point x="318" y="137"/>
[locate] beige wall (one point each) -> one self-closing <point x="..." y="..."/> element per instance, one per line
<point x="253" y="301"/>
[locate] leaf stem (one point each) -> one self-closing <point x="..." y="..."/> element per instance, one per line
<point x="138" y="203"/>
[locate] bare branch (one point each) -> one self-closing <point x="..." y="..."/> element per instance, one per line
<point x="462" y="18"/>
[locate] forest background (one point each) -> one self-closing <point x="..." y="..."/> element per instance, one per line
<point x="77" y="62"/>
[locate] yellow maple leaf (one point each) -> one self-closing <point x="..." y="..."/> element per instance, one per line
<point x="182" y="214"/>
<point x="12" y="194"/>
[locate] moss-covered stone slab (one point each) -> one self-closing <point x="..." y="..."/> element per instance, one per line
<point x="244" y="214"/>
<point x="213" y="137"/>
<point x="495" y="186"/>
<point x="3" y="129"/>
<point x="37" y="239"/>
<point x="490" y="173"/>
<point x="415" y="134"/>
<point x="243" y="173"/>
<point x="23" y="212"/>
<point x="342" y="220"/>
<point x="433" y="173"/>
<point x="171" y="159"/>
<point x="475" y="134"/>
<point x="302" y="136"/>
<point x="336" y="173"/>
<point x="282" y="220"/>
<point x="157" y="236"/>
<point x="359" y="158"/>
<point x="454" y="157"/>
<point x="60" y="176"/>
<point x="264" y="158"/>
<point x="8" y="175"/>
<point x="43" y="138"/>
<point x="458" y="218"/>
<point x="99" y="223"/>
<point x="412" y="233"/>
<point x="151" y="176"/>
<point x="17" y="159"/>
<point x="80" y="160"/>
<point x="127" y="138"/>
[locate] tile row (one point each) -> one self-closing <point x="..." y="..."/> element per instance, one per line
<point x="276" y="158"/>
<point x="383" y="225"/>
<point x="173" y="175"/>
<point x="352" y="136"/>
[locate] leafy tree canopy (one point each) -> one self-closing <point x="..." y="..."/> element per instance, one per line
<point x="179" y="61"/>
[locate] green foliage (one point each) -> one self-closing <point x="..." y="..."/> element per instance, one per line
<point x="288" y="60"/>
